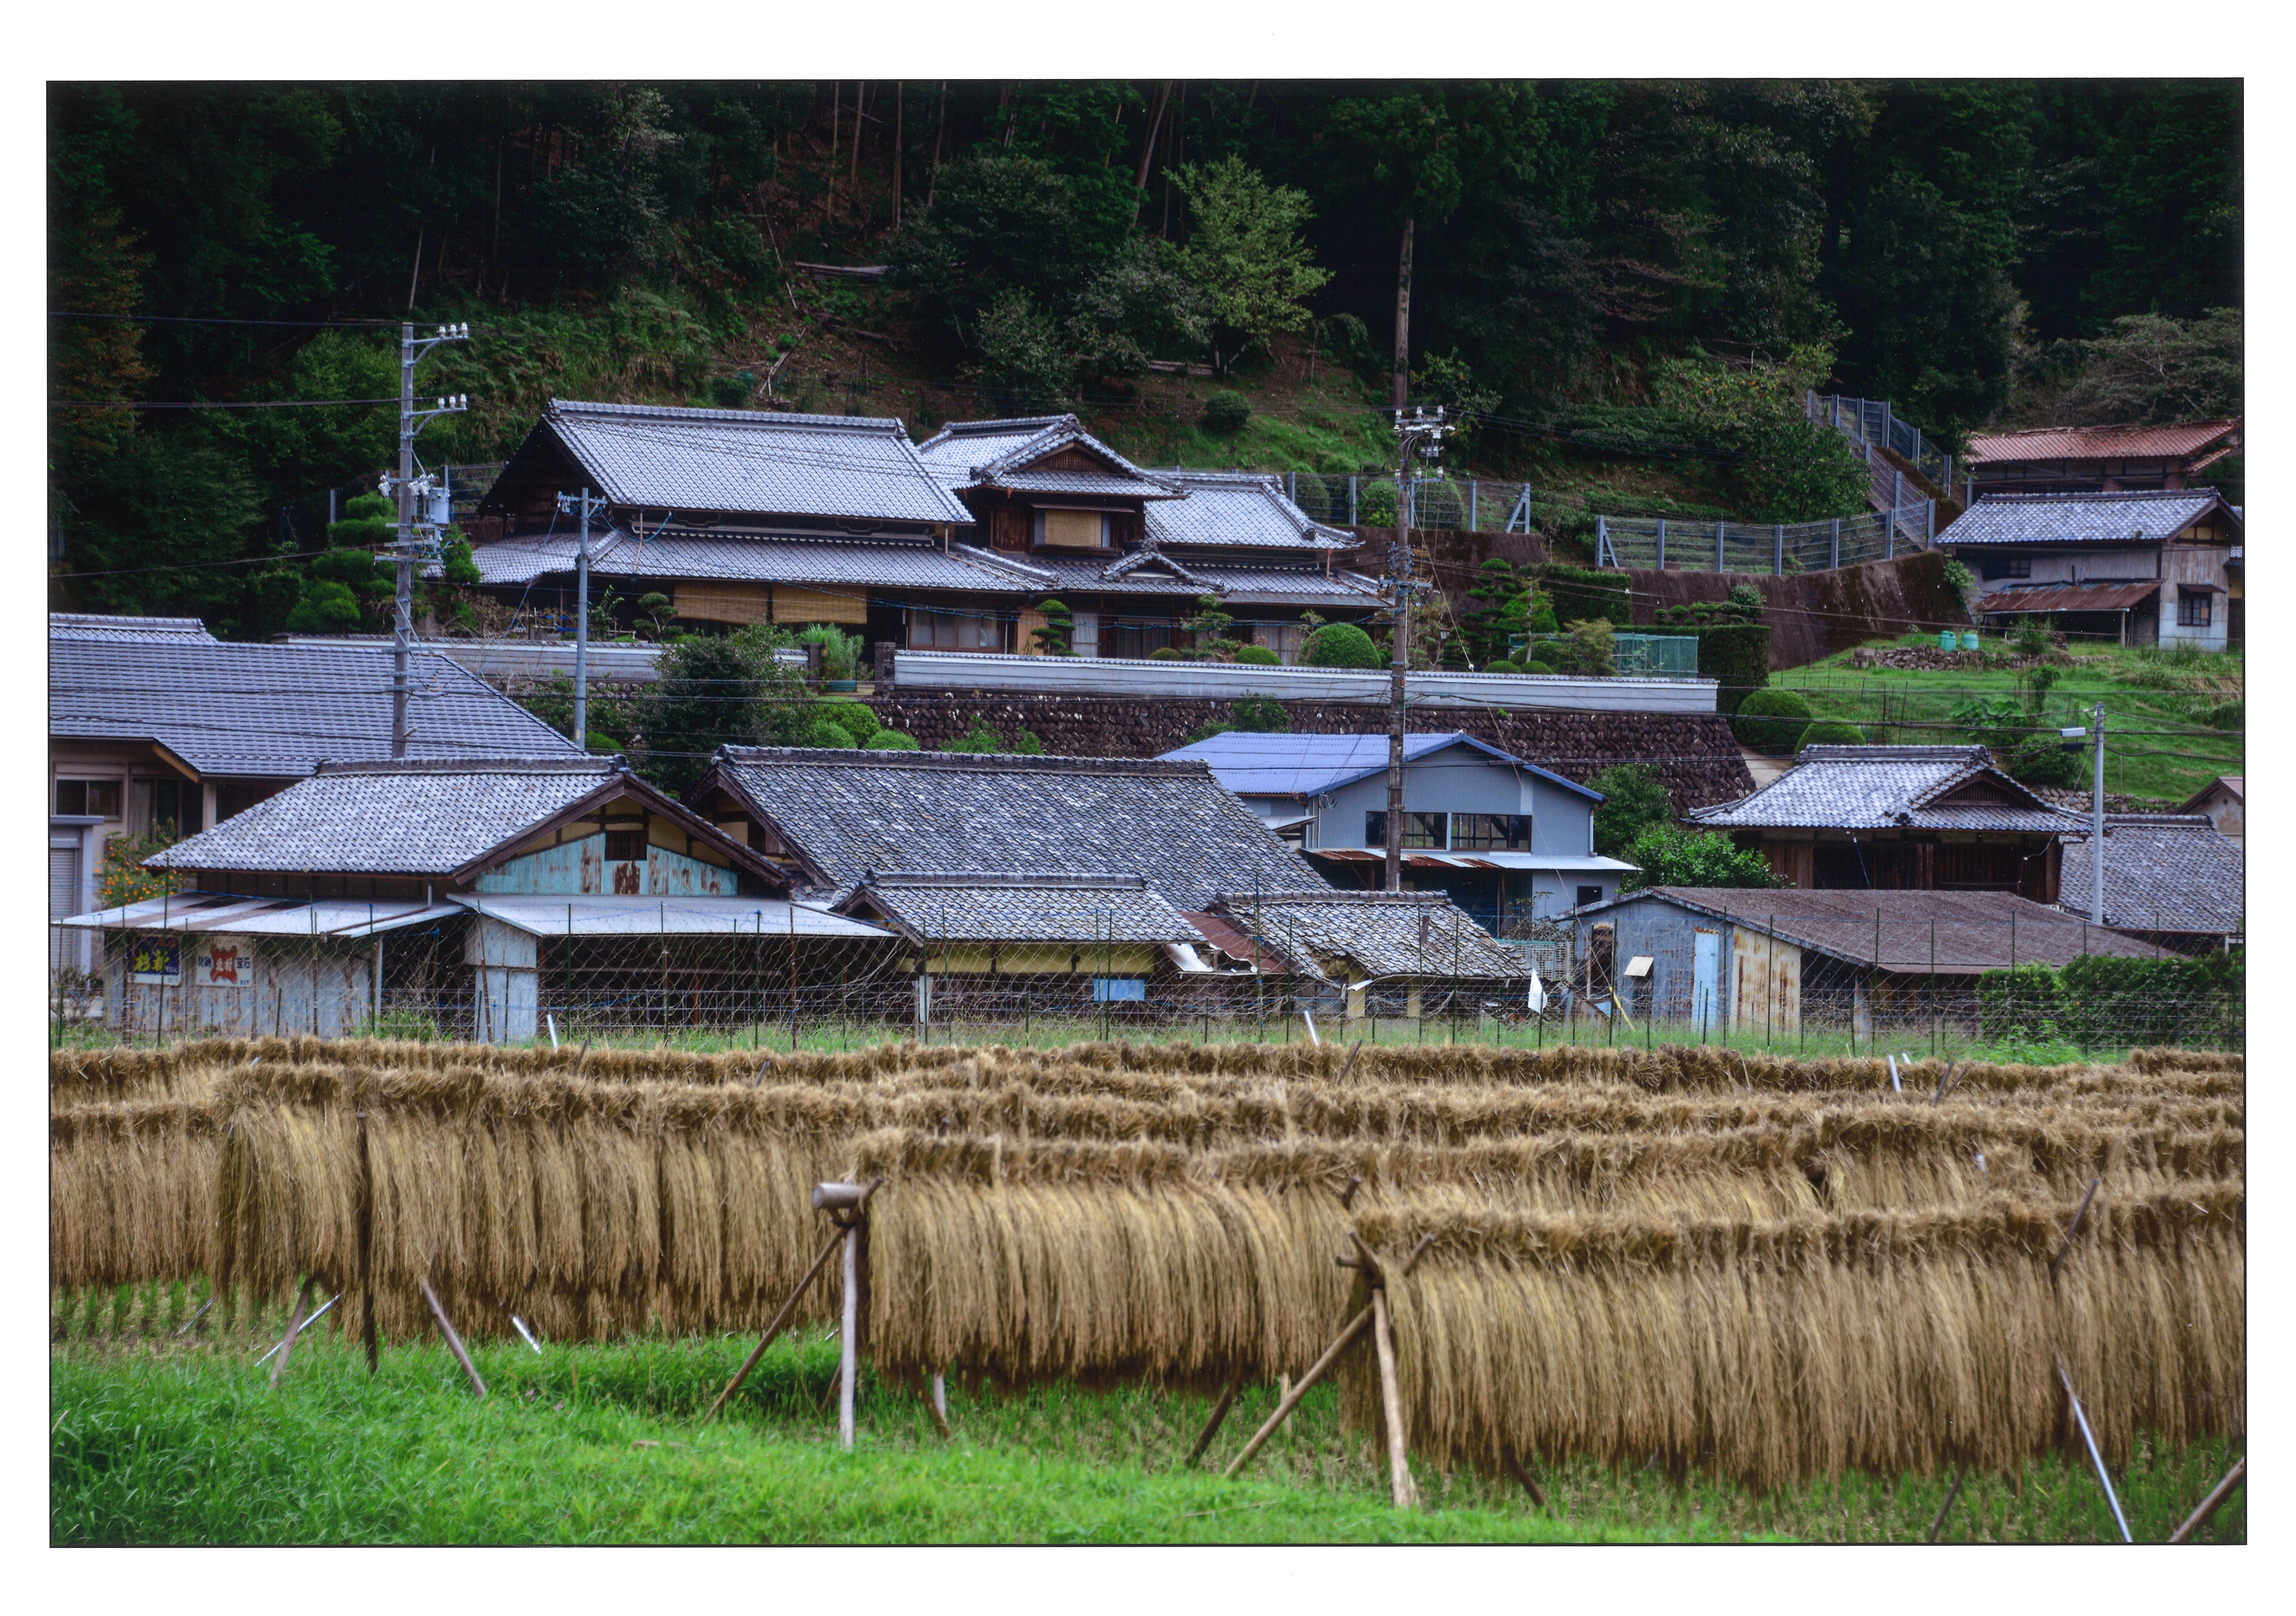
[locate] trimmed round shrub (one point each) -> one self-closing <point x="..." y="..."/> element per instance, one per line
<point x="1503" y="664"/>
<point x="820" y="732"/>
<point x="603" y="745"/>
<point x="1166" y="653"/>
<point x="1831" y="732"/>
<point x="891" y="741"/>
<point x="1341" y="645"/>
<point x="1258" y="655"/>
<point x="1770" y="721"/>
<point x="851" y="716"/>
<point x="1227" y="412"/>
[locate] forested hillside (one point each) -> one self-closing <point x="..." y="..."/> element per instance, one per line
<point x="1640" y="276"/>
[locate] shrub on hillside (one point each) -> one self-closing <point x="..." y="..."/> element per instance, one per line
<point x="1227" y="412"/>
<point x="1770" y="721"/>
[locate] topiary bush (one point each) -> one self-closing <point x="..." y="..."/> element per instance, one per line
<point x="1341" y="645"/>
<point x="1737" y="656"/>
<point x="1831" y="732"/>
<point x="1260" y="656"/>
<point x="1227" y="412"/>
<point x="1770" y="721"/>
<point x="822" y="732"/>
<point x="891" y="741"/>
<point x="851" y="716"/>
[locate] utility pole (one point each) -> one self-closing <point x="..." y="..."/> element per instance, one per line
<point x="417" y="537"/>
<point x="584" y="505"/>
<point x="2096" y="823"/>
<point x="1423" y="435"/>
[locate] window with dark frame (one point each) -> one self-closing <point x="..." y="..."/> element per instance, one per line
<point x="626" y="845"/>
<point x="1419" y="830"/>
<point x="88" y="796"/>
<point x="1589" y="895"/>
<point x="2193" y="611"/>
<point x="1491" y="833"/>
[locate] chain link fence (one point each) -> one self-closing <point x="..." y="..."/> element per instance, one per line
<point x="1770" y="979"/>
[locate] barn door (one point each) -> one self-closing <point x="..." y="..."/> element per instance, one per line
<point x="1705" y="976"/>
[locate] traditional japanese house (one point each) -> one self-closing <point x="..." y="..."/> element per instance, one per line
<point x="471" y="898"/>
<point x="1925" y="818"/>
<point x="2098" y="459"/>
<point x="1386" y="955"/>
<point x="2142" y="569"/>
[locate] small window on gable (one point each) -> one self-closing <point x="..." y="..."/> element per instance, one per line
<point x="626" y="844"/>
<point x="1073" y="530"/>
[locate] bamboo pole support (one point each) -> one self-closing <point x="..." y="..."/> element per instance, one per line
<point x="1515" y="1468"/>
<point x="1946" y="1508"/>
<point x="2066" y="1244"/>
<point x="294" y="1329"/>
<point x="453" y="1340"/>
<point x="1390" y="1395"/>
<point x="849" y="1203"/>
<point x="2094" y="1456"/>
<point x="1346" y="1338"/>
<point x="369" y="1336"/>
<point x="2199" y="1517"/>
<point x="775" y="1328"/>
<point x="1211" y="1426"/>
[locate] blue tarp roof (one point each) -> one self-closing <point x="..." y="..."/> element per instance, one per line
<point x="1252" y="763"/>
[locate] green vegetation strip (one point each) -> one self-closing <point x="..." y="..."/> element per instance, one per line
<point x="156" y="1444"/>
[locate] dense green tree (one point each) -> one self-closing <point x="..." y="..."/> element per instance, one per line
<point x="1668" y="855"/>
<point x="1634" y="798"/>
<point x="1245" y="255"/>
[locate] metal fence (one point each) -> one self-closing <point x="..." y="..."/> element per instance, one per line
<point x="1872" y="424"/>
<point x="753" y="986"/>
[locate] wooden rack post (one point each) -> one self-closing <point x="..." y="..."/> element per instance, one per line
<point x="294" y="1329"/>
<point x="453" y="1340"/>
<point x="848" y="1205"/>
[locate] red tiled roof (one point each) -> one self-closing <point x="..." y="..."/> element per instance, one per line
<point x="2099" y="442"/>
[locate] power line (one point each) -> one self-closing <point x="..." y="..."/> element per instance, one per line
<point x="270" y="404"/>
<point x="211" y="320"/>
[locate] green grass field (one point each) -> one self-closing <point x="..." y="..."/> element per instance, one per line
<point x="154" y="1443"/>
<point x="2158" y="740"/>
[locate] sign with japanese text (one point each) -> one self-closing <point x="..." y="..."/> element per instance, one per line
<point x="224" y="962"/>
<point x="155" y="958"/>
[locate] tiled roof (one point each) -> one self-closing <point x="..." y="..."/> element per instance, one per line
<point x="756" y="461"/>
<point x="1256" y="765"/>
<point x="1974" y="932"/>
<point x="997" y="454"/>
<point x="964" y="906"/>
<point x="2121" y="517"/>
<point x="1376" y="933"/>
<point x="2236" y="784"/>
<point x="1244" y="585"/>
<point x="2099" y="442"/>
<point x="1881" y="787"/>
<point x="1171" y="823"/>
<point x="2162" y="873"/>
<point x="270" y="711"/>
<point x="695" y="553"/>
<point x="87" y="626"/>
<point x="383" y="819"/>
<point x="1238" y="509"/>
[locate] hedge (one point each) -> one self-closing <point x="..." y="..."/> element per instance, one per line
<point x="1737" y="657"/>
<point x="2104" y="999"/>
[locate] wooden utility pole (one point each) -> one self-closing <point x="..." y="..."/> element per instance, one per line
<point x="897" y="135"/>
<point x="1403" y="317"/>
<point x="1421" y="435"/>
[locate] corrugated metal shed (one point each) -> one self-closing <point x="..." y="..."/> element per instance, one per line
<point x="599" y="916"/>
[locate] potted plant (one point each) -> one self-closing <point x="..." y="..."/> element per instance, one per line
<point x="841" y="655"/>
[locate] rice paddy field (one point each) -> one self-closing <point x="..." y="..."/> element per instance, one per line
<point x="1692" y="1294"/>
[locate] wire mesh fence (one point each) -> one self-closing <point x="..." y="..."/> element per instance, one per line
<point x="1815" y="983"/>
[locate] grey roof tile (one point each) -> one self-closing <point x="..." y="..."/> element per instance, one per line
<point x="756" y="461"/>
<point x="2162" y="873"/>
<point x="1878" y="787"/>
<point x="2116" y="518"/>
<point x="694" y="553"/>
<point x="387" y="820"/>
<point x="265" y="712"/>
<point x="1249" y="510"/>
<point x="1382" y="933"/>
<point x="1237" y="584"/>
<point x="995" y="454"/>
<point x="88" y="626"/>
<point x="1171" y="823"/>
<point x="964" y="906"/>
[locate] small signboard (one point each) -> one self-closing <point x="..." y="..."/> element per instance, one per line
<point x="155" y="958"/>
<point x="1639" y="966"/>
<point x="224" y="962"/>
